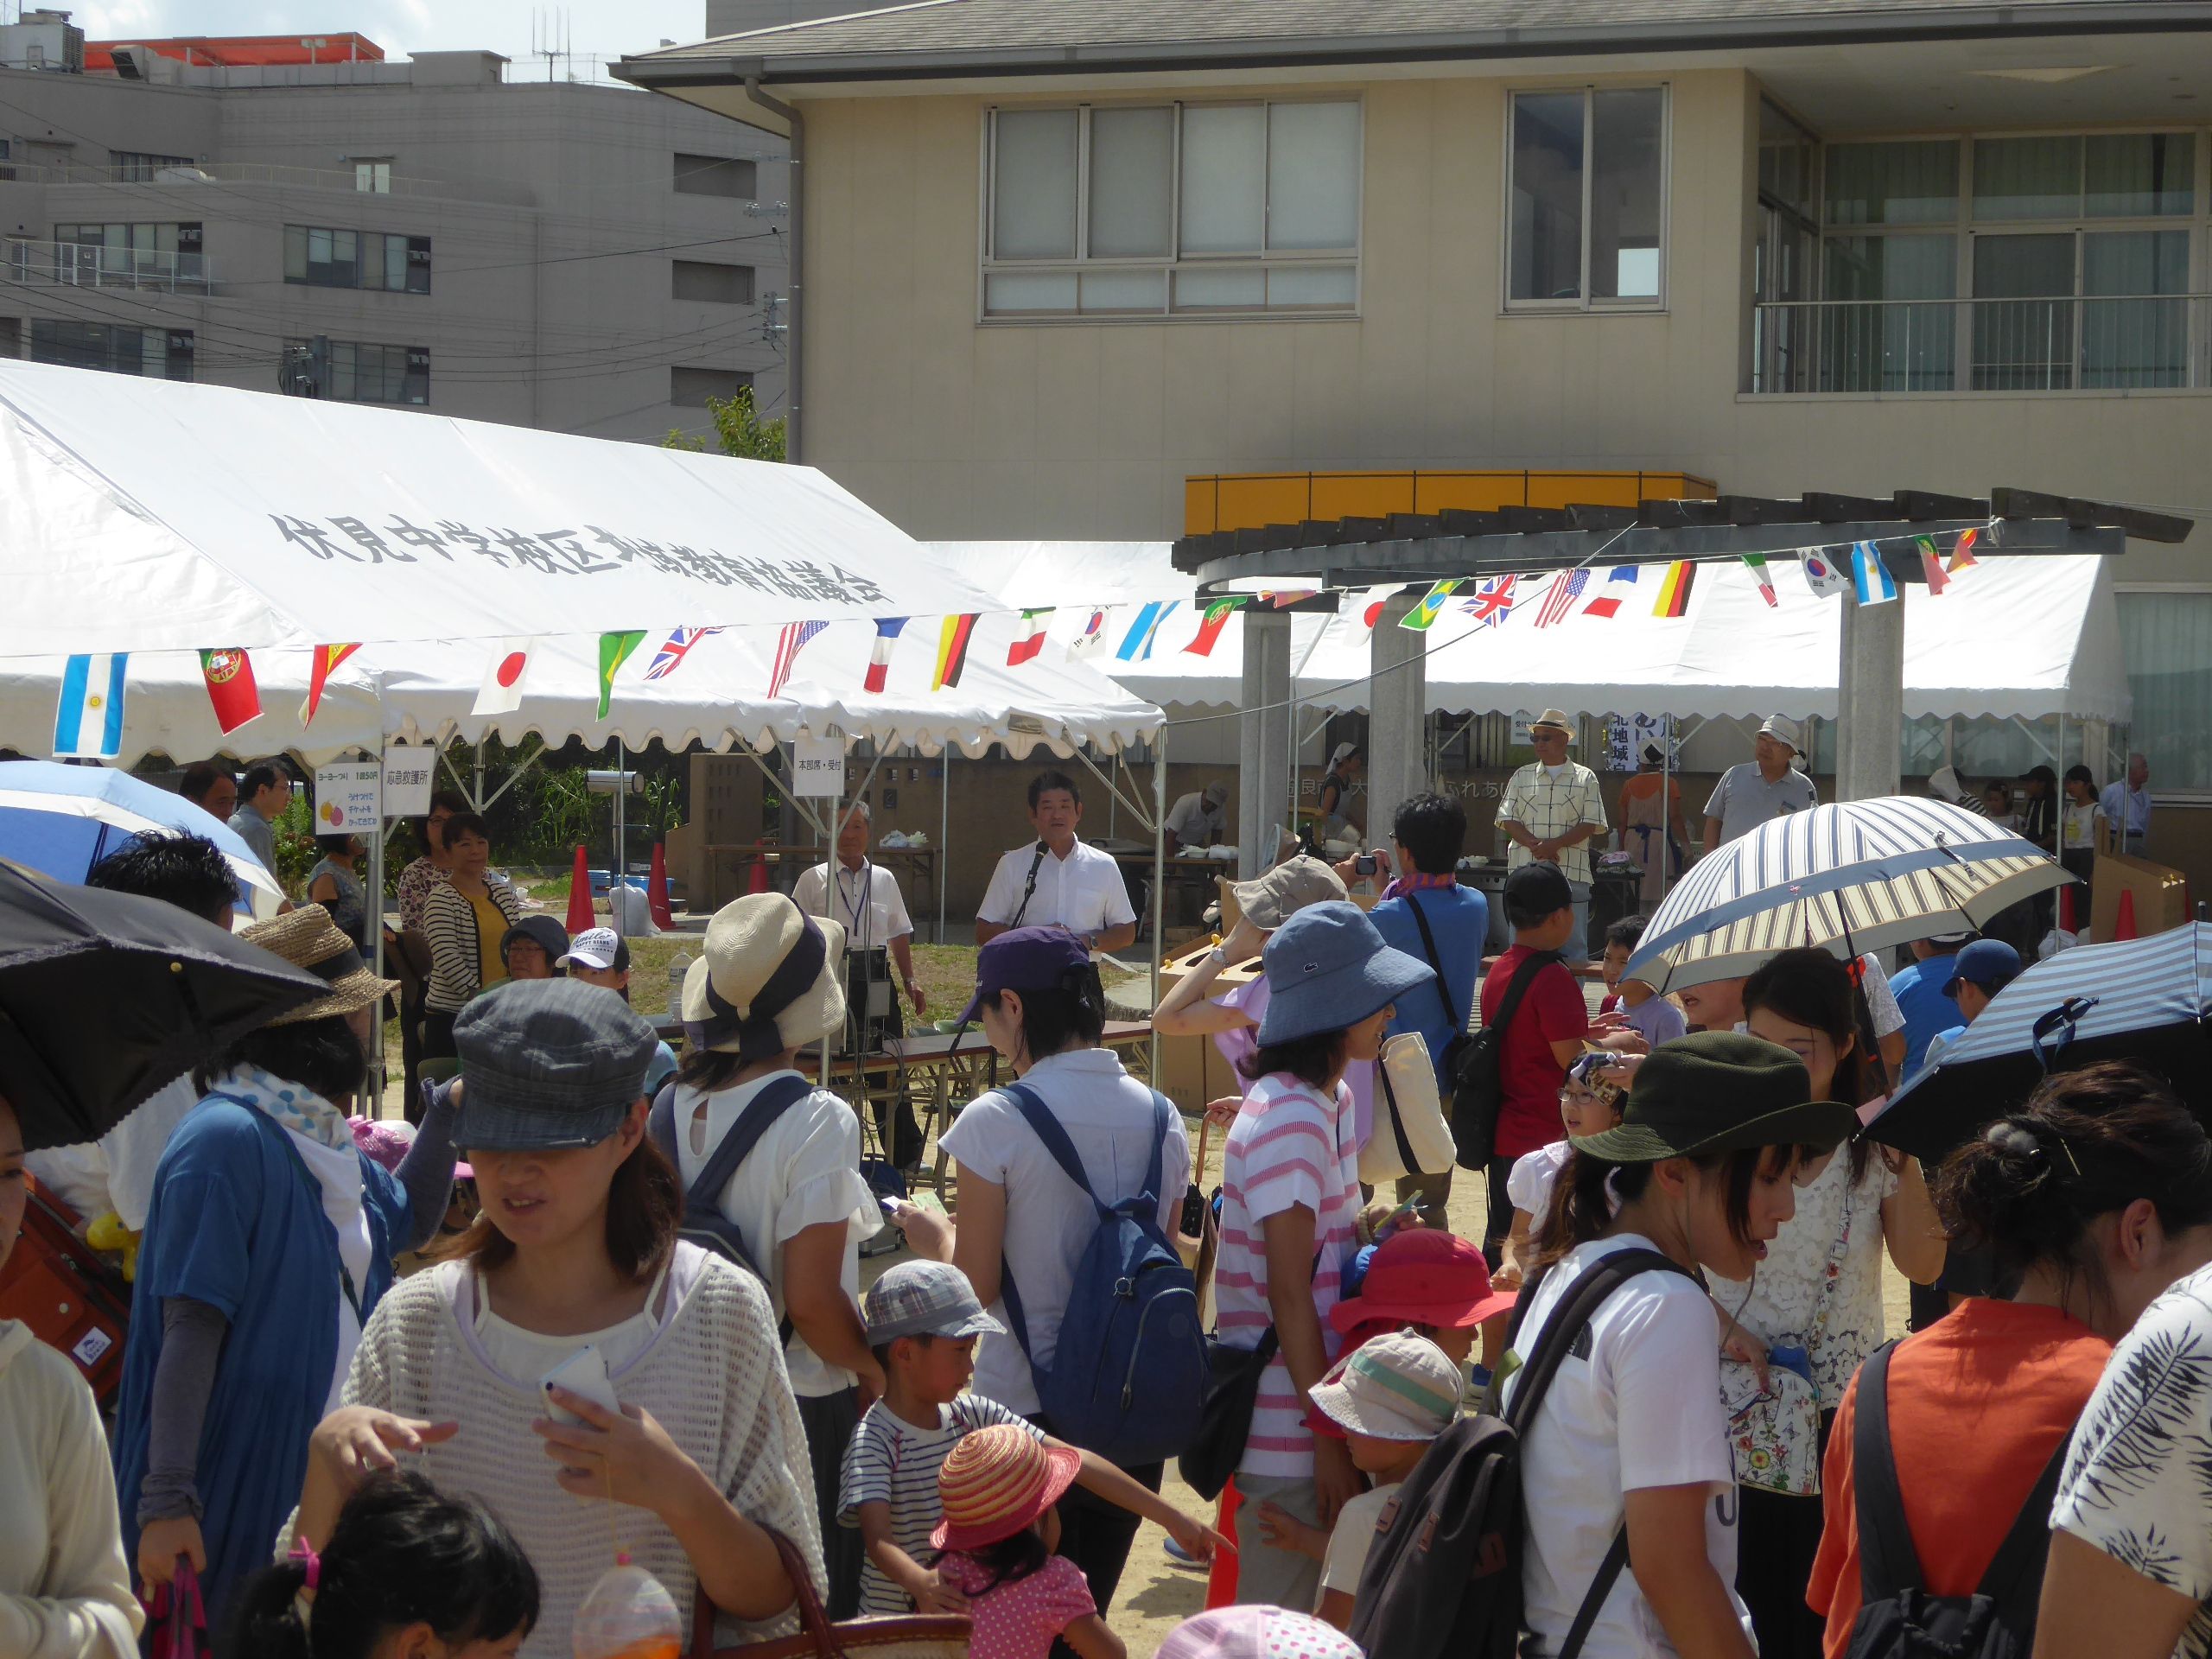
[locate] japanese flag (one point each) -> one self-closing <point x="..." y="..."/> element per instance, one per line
<point x="501" y="692"/>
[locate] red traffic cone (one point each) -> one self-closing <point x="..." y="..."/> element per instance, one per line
<point x="2123" y="925"/>
<point x="580" y="916"/>
<point x="2066" y="908"/>
<point x="656" y="893"/>
<point x="760" y="882"/>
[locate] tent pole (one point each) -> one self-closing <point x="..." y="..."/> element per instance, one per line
<point x="615" y="871"/>
<point x="375" y="913"/>
<point x="1158" y="888"/>
<point x="476" y="795"/>
<point x="944" y="831"/>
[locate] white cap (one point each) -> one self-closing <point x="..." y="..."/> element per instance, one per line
<point x="1342" y="753"/>
<point x="1782" y="730"/>
<point x="595" y="947"/>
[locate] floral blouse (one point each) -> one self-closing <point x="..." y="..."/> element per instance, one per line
<point x="415" y="884"/>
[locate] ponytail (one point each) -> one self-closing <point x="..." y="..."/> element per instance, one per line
<point x="266" y="1623"/>
<point x="1589" y="1191"/>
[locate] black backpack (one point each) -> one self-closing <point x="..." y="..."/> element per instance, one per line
<point x="1478" y="1094"/>
<point x="1443" y="1575"/>
<point x="1898" y="1619"/>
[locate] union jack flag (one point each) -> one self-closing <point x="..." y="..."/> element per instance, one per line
<point x="673" y="650"/>
<point x="1567" y="587"/>
<point x="788" y="644"/>
<point x="1493" y="602"/>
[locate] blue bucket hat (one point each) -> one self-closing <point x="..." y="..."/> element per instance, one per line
<point x="1327" y="969"/>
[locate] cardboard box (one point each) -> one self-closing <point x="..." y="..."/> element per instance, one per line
<point x="1192" y="1070"/>
<point x="2161" y="895"/>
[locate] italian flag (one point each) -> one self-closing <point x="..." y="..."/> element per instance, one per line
<point x="1024" y="649"/>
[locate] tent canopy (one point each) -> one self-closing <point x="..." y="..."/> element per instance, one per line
<point x="146" y="515"/>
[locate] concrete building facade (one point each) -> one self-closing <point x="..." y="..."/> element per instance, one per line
<point x="576" y="258"/>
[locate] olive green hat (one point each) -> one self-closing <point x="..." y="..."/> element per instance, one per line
<point x="1716" y="1091"/>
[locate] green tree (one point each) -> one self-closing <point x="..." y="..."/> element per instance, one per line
<point x="738" y="428"/>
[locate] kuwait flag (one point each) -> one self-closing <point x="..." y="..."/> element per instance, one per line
<point x="1138" y="642"/>
<point x="88" y="720"/>
<point x="952" y="650"/>
<point x="229" y="675"/>
<point x="1024" y="649"/>
<point x="879" y="655"/>
<point x="325" y="660"/>
<point x="1675" y="589"/>
<point x="1093" y="636"/>
<point x="1822" y="575"/>
<point x="1869" y="580"/>
<point x="1431" y="606"/>
<point x="1217" y="619"/>
<point x="615" y="649"/>
<point x="1620" y="586"/>
<point x="501" y="692"/>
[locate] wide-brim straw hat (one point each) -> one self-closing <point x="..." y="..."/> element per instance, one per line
<point x="1557" y="719"/>
<point x="770" y="978"/>
<point x="307" y="939"/>
<point x="997" y="1481"/>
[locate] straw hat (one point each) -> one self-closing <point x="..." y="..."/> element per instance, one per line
<point x="997" y="1481"/>
<point x="770" y="977"/>
<point x="307" y="939"/>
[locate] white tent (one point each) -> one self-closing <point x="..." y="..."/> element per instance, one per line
<point x="142" y="515"/>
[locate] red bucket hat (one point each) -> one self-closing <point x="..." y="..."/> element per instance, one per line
<point x="1420" y="1276"/>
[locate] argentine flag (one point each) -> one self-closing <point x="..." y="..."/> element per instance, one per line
<point x="1869" y="580"/>
<point x="88" y="721"/>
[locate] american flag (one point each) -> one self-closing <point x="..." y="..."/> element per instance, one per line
<point x="788" y="644"/>
<point x="673" y="650"/>
<point x="1567" y="587"/>
<point x="1493" y="601"/>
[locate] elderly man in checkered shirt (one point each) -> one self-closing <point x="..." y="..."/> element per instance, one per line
<point x="1551" y="811"/>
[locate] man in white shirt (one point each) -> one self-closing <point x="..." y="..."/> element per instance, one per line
<point x="1550" y="811"/>
<point x="1196" y="820"/>
<point x="2127" y="806"/>
<point x="1754" y="792"/>
<point x="867" y="903"/>
<point x="1056" y="879"/>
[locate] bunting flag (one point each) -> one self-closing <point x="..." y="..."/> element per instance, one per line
<point x="1620" y="586"/>
<point x="1093" y="637"/>
<point x="1931" y="564"/>
<point x="1756" y="563"/>
<point x="1024" y="649"/>
<point x="1822" y="575"/>
<point x="1216" y="619"/>
<point x="1136" y="645"/>
<point x="615" y="649"/>
<point x="1493" y="601"/>
<point x="320" y="668"/>
<point x="231" y="688"/>
<point x="1961" y="556"/>
<point x="1358" y="613"/>
<point x="789" y="643"/>
<point x="1423" y="615"/>
<point x="501" y="692"/>
<point x="1675" y="589"/>
<point x="88" y="720"/>
<point x="1282" y="602"/>
<point x="673" y="650"/>
<point x="879" y="655"/>
<point x="1558" y="598"/>
<point x="1870" y="579"/>
<point x="952" y="650"/>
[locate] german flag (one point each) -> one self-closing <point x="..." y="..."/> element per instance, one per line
<point x="952" y="651"/>
<point x="1675" y="589"/>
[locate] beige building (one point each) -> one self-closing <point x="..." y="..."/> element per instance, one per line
<point x="1057" y="259"/>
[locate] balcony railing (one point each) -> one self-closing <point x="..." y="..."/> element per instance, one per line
<point x="2078" y="344"/>
<point x="82" y="265"/>
<point x="251" y="172"/>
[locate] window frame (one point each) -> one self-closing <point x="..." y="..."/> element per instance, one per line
<point x="1176" y="260"/>
<point x="1585" y="304"/>
<point x="371" y="249"/>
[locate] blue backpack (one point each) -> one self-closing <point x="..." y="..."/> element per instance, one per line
<point x="1129" y="1374"/>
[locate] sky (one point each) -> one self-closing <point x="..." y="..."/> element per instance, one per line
<point x="600" y="28"/>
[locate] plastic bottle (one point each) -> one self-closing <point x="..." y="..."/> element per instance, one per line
<point x="678" y="965"/>
<point x="628" y="1615"/>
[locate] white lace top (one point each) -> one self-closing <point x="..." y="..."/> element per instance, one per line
<point x="1784" y="1297"/>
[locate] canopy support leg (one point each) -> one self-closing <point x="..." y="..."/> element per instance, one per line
<point x="1158" y="891"/>
<point x="1397" y="706"/>
<point x="1264" y="739"/>
<point x="1136" y="811"/>
<point x="515" y="775"/>
<point x="1870" y="700"/>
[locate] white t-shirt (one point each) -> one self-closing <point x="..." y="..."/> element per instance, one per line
<point x="1107" y="1115"/>
<point x="1195" y="824"/>
<point x="2134" y="1485"/>
<point x="1084" y="892"/>
<point x="869" y="904"/>
<point x="1533" y="1176"/>
<point x="803" y="1173"/>
<point x="2077" y="826"/>
<point x="1350" y="1540"/>
<point x="1641" y="1408"/>
<point x="117" y="1171"/>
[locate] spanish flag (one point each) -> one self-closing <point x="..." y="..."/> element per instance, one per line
<point x="952" y="651"/>
<point x="1675" y="589"/>
<point x="325" y="663"/>
<point x="1962" y="556"/>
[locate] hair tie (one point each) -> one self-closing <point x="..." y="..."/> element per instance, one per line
<point x="303" y="1553"/>
<point x="2022" y="1141"/>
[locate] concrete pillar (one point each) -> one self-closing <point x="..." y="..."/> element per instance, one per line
<point x="1870" y="699"/>
<point x="1397" y="709"/>
<point x="1263" y="738"/>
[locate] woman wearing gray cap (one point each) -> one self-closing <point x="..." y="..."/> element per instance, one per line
<point x="575" y="1266"/>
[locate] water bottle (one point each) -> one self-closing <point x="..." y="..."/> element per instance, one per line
<point x="678" y="965"/>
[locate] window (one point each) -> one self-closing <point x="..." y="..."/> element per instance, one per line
<point x="372" y="175"/>
<point x="372" y="259"/>
<point x="1587" y="198"/>
<point x="2166" y="641"/>
<point x="156" y="354"/>
<point x="137" y="167"/>
<point x="690" y="388"/>
<point x="706" y="281"/>
<point x="716" y="176"/>
<point x="87" y="251"/>
<point x="354" y="371"/>
<point x="1149" y="210"/>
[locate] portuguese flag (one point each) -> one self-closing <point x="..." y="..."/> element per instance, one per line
<point x="229" y="675"/>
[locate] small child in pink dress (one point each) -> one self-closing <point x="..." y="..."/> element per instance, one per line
<point x="998" y="1488"/>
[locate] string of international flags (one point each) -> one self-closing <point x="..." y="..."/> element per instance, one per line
<point x="88" y="719"/>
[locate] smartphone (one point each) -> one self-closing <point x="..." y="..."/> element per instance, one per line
<point x="1365" y="864"/>
<point x="583" y="1372"/>
<point x="890" y="1205"/>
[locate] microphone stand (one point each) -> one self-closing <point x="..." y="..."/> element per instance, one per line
<point x="1029" y="887"/>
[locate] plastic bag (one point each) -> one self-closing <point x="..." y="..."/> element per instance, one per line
<point x="628" y="1615"/>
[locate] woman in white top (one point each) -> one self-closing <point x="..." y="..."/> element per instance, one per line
<point x="1818" y="1291"/>
<point x="1630" y="1438"/>
<point x="575" y="1265"/>
<point x="1020" y="1218"/>
<point x="797" y="1199"/>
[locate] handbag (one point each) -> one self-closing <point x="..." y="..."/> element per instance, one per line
<point x="898" y="1636"/>
<point x="1225" y="1415"/>
<point x="176" y="1620"/>
<point x="1774" y="1433"/>
<point x="1410" y="1136"/>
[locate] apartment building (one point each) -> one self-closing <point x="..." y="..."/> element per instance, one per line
<point x="301" y="215"/>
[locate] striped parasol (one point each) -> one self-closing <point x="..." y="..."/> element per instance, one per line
<point x="1851" y="877"/>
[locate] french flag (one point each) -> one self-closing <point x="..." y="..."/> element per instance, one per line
<point x="1620" y="586"/>
<point x="878" y="655"/>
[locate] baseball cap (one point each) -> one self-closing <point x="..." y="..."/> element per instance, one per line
<point x="1538" y="890"/>
<point x="1271" y="898"/>
<point x="549" y="935"/>
<point x="925" y="1299"/>
<point x="1398" y="1386"/>
<point x="1025" y="959"/>
<point x="549" y="1063"/>
<point x="1214" y="793"/>
<point x="596" y="947"/>
<point x="1990" y="963"/>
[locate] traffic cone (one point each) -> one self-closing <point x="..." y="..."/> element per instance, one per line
<point x="656" y="893"/>
<point x="1221" y="1577"/>
<point x="760" y="882"/>
<point x="2123" y="925"/>
<point x="580" y="916"/>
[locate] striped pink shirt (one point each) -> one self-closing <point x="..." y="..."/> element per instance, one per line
<point x="1288" y="1147"/>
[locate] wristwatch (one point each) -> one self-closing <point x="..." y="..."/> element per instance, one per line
<point x="1215" y="958"/>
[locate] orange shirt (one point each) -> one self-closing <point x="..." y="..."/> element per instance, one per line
<point x="1978" y="1403"/>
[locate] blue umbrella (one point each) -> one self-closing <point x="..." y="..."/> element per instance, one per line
<point x="61" y="820"/>
<point x="2141" y="1000"/>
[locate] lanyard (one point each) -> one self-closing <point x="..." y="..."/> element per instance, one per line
<point x="864" y="906"/>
